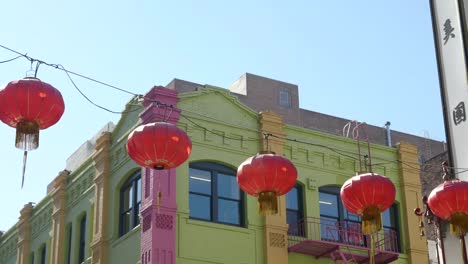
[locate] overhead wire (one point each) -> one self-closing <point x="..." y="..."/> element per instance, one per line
<point x="12" y="59"/>
<point x="91" y="101"/>
<point x="140" y="96"/>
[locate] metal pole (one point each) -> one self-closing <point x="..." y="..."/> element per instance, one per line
<point x="441" y="240"/>
<point x="463" y="248"/>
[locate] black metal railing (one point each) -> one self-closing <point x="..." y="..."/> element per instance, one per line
<point x="340" y="232"/>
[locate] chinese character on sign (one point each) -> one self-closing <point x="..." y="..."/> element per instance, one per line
<point x="448" y="29"/>
<point x="459" y="114"/>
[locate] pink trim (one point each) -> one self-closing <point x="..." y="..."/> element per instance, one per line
<point x="158" y="232"/>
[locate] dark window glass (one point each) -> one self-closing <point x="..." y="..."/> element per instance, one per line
<point x="329" y="205"/>
<point x="337" y="224"/>
<point x="295" y="211"/>
<point x="200" y="181"/>
<point x="43" y="254"/>
<point x="200" y="206"/>
<point x="82" y="241"/>
<point x="214" y="194"/>
<point x="285" y="98"/>
<point x="390" y="225"/>
<point x="228" y="211"/>
<point x="69" y="245"/>
<point x="130" y="203"/>
<point x="227" y="186"/>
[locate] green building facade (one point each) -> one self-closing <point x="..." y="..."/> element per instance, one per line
<point x="91" y="212"/>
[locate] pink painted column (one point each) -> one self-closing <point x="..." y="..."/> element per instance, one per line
<point x="158" y="226"/>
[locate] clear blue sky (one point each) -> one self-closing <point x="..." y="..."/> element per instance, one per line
<point x="373" y="61"/>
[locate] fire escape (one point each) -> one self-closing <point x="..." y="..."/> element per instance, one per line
<point x="342" y="241"/>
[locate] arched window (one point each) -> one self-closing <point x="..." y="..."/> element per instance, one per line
<point x="130" y="202"/>
<point x="295" y="210"/>
<point x="214" y="194"/>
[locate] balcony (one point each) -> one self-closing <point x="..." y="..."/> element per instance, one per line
<point x="341" y="241"/>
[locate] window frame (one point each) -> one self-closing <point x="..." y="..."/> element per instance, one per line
<point x="393" y="215"/>
<point x="343" y="215"/>
<point x="43" y="254"/>
<point x="69" y="243"/>
<point x="342" y="218"/>
<point x="300" y="212"/>
<point x="215" y="169"/>
<point x="283" y="103"/>
<point x="130" y="183"/>
<point x="82" y="239"/>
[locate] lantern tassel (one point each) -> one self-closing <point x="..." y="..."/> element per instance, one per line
<point x="27" y="135"/>
<point x="159" y="200"/>
<point x="25" y="157"/>
<point x="371" y="224"/>
<point x="267" y="203"/>
<point x="371" y="220"/>
<point x="372" y="249"/>
<point x="459" y="224"/>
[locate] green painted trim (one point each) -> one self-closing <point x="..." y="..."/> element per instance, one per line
<point x="123" y="118"/>
<point x="116" y="197"/>
<point x="115" y="143"/>
<point x="335" y="137"/>
<point x="215" y="122"/>
<point x="218" y="90"/>
<point x="121" y="239"/>
<point x="82" y="169"/>
<point x="10" y="233"/>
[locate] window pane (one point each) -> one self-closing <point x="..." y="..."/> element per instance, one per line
<point x="228" y="212"/>
<point x="138" y="187"/>
<point x="292" y="199"/>
<point x="200" y="206"/>
<point x="389" y="217"/>
<point x="295" y="222"/>
<point x="136" y="214"/>
<point x="69" y="246"/>
<point x="43" y="255"/>
<point x="284" y="98"/>
<point x="351" y="216"/>
<point x="200" y="181"/>
<point x="82" y="241"/>
<point x="328" y="229"/>
<point x="127" y="198"/>
<point x="328" y="204"/>
<point x="227" y="186"/>
<point x="292" y="217"/>
<point x="386" y="218"/>
<point x="125" y="222"/>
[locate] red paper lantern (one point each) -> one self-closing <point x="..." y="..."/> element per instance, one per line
<point x="159" y="146"/>
<point x="367" y="195"/>
<point x="449" y="201"/>
<point x="267" y="176"/>
<point x="30" y="105"/>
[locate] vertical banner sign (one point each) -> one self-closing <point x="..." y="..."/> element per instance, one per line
<point x="448" y="36"/>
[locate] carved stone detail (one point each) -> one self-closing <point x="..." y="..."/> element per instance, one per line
<point x="164" y="221"/>
<point x="277" y="240"/>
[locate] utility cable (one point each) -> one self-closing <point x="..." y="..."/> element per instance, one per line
<point x="139" y="97"/>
